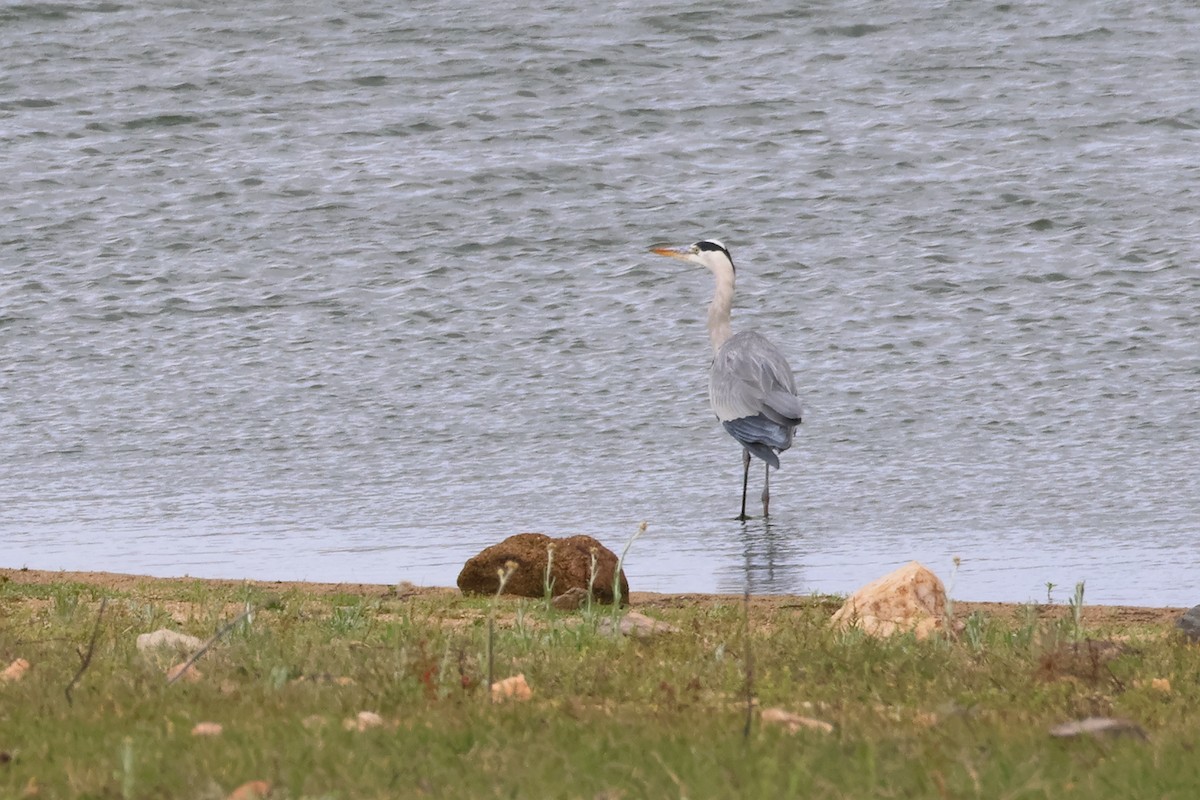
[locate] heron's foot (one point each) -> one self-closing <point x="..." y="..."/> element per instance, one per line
<point x="742" y="517"/>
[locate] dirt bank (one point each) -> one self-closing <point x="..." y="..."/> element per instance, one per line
<point x="167" y="587"/>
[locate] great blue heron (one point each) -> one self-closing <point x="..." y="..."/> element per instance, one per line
<point x="750" y="385"/>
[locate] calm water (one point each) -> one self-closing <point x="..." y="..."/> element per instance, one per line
<point x="347" y="291"/>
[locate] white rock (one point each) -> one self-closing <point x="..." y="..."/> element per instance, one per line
<point x="1098" y="726"/>
<point x="168" y="639"/>
<point x="364" y="720"/>
<point x="794" y="722"/>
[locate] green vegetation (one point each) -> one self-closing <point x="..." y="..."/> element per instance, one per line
<point x="664" y="717"/>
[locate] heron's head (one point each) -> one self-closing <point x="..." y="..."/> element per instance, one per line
<point x="707" y="253"/>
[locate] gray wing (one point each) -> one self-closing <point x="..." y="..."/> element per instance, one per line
<point x="750" y="376"/>
<point x="753" y="393"/>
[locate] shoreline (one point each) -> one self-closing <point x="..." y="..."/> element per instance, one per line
<point x="117" y="581"/>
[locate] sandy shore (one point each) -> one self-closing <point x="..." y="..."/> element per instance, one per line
<point x="166" y="587"/>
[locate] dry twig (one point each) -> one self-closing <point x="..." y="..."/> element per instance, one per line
<point x="87" y="657"/>
<point x="179" y="673"/>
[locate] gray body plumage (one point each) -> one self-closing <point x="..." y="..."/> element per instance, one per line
<point x="753" y="393"/>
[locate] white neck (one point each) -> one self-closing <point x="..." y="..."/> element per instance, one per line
<point x="718" y="310"/>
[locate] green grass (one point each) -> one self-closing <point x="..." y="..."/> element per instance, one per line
<point x="662" y="718"/>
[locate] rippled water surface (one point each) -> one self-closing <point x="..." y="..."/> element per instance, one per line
<point x="347" y="291"/>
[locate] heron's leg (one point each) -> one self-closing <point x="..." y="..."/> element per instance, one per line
<point x="745" y="482"/>
<point x="766" y="495"/>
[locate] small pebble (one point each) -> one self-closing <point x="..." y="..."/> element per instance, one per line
<point x="1097" y="726"/>
<point x="794" y="722"/>
<point x="14" y="671"/>
<point x="364" y="720"/>
<point x="207" y="729"/>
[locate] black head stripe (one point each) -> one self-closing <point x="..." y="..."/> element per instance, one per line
<point x="707" y="245"/>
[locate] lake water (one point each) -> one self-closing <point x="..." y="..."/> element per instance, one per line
<point x="348" y="291"/>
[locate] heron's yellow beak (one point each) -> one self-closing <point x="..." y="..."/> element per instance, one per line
<point x="672" y="252"/>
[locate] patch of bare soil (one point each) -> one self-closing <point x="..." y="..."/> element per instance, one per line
<point x="1115" y="616"/>
<point x="166" y="587"/>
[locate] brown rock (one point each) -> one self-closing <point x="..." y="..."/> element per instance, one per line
<point x="569" y="569"/>
<point x="910" y="599"/>
<point x="571" y="600"/>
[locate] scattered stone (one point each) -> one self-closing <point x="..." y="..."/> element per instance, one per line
<point x="406" y="589"/>
<point x="190" y="673"/>
<point x="514" y="688"/>
<point x="314" y="722"/>
<point x="1189" y="623"/>
<point x="207" y="729"/>
<point x="164" y="638"/>
<point x="571" y="600"/>
<point x="793" y="722"/>
<point x="570" y="568"/>
<point x="252" y="790"/>
<point x="925" y="719"/>
<point x="1098" y="726"/>
<point x="911" y="598"/>
<point x="364" y="720"/>
<point x="325" y="678"/>
<point x="637" y="625"/>
<point x="1155" y="684"/>
<point x="14" y="671"/>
